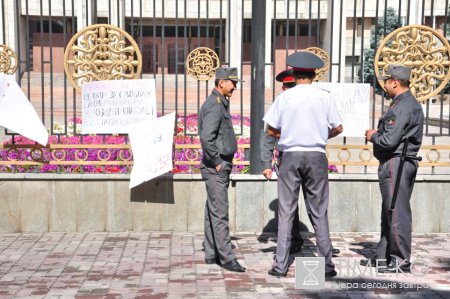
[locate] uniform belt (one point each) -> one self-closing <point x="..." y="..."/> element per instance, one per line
<point x="228" y="158"/>
<point x="408" y="157"/>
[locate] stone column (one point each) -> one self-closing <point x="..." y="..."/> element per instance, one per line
<point x="8" y="11"/>
<point x="234" y="26"/>
<point x="81" y="12"/>
<point x="118" y="13"/>
<point x="415" y="12"/>
<point x="334" y="36"/>
<point x="268" y="68"/>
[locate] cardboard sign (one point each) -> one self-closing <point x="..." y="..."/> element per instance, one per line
<point x="352" y="101"/>
<point x="113" y="106"/>
<point x="17" y="113"/>
<point x="152" y="143"/>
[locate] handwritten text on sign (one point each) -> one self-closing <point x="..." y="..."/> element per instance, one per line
<point x="152" y="143"/>
<point x="352" y="101"/>
<point x="115" y="105"/>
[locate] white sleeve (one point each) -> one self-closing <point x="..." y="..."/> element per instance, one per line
<point x="273" y="115"/>
<point x="334" y="118"/>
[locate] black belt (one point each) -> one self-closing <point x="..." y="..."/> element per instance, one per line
<point x="409" y="157"/>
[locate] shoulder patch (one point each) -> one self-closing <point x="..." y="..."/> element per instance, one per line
<point x="218" y="100"/>
<point x="390" y="123"/>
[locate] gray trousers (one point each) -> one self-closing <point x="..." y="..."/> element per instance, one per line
<point x="310" y="171"/>
<point x="397" y="240"/>
<point x="217" y="241"/>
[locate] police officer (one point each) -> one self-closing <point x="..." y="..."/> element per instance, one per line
<point x="268" y="143"/>
<point x="218" y="142"/>
<point x="304" y="118"/>
<point x="402" y="121"/>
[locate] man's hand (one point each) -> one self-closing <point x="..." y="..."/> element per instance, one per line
<point x="273" y="132"/>
<point x="335" y="131"/>
<point x="369" y="134"/>
<point x="218" y="167"/>
<point x="267" y="173"/>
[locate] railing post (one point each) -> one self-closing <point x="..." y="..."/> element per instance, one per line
<point x="257" y="85"/>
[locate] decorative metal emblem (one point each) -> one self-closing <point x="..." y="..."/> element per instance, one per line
<point x="101" y="52"/>
<point x="202" y="63"/>
<point x="8" y="60"/>
<point x="422" y="49"/>
<point x="322" y="72"/>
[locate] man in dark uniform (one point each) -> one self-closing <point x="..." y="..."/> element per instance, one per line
<point x="219" y="145"/>
<point x="403" y="120"/>
<point x="303" y="118"/>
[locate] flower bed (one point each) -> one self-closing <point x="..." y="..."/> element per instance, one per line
<point x="90" y="159"/>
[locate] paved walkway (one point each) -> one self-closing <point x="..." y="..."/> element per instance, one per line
<point x="170" y="265"/>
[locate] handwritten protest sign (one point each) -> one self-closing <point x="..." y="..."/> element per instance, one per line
<point x="152" y="142"/>
<point x="17" y="113"/>
<point x="113" y="106"/>
<point x="352" y="100"/>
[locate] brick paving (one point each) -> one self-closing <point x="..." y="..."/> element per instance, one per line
<point x="170" y="265"/>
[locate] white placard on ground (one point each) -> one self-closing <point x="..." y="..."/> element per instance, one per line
<point x="352" y="100"/>
<point x="17" y="113"/>
<point x="113" y="106"/>
<point x="152" y="143"/>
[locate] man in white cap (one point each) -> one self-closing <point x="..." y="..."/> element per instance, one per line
<point x="268" y="143"/>
<point x="304" y="118"/>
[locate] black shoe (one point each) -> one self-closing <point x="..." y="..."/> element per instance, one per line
<point x="295" y="247"/>
<point x="392" y="268"/>
<point x="297" y="240"/>
<point x="276" y="273"/>
<point x="331" y="273"/>
<point x="373" y="262"/>
<point x="212" y="261"/>
<point x="365" y="262"/>
<point x="234" y="266"/>
<point x="335" y="250"/>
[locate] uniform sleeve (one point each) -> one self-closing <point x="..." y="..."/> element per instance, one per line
<point x="273" y="115"/>
<point x="394" y="127"/>
<point x="267" y="146"/>
<point x="334" y="118"/>
<point x="211" y="124"/>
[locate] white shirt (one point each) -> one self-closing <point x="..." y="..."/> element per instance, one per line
<point x="304" y="114"/>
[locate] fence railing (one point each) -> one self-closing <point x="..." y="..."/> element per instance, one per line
<point x="165" y="31"/>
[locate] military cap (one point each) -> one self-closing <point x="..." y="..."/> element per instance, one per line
<point x="397" y="71"/>
<point x="286" y="76"/>
<point x="304" y="61"/>
<point x="229" y="73"/>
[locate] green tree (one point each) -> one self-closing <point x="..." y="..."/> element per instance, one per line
<point x="382" y="29"/>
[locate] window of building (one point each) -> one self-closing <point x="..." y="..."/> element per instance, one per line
<point x="295" y="28"/>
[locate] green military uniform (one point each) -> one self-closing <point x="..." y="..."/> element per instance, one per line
<point x="219" y="145"/>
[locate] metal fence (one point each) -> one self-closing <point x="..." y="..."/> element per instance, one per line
<point x="166" y="31"/>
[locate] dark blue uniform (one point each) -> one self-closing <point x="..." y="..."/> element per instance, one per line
<point x="404" y="119"/>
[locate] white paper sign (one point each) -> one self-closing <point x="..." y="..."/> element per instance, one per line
<point x="352" y="100"/>
<point x="17" y="113"/>
<point x="152" y="142"/>
<point x="113" y="106"/>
